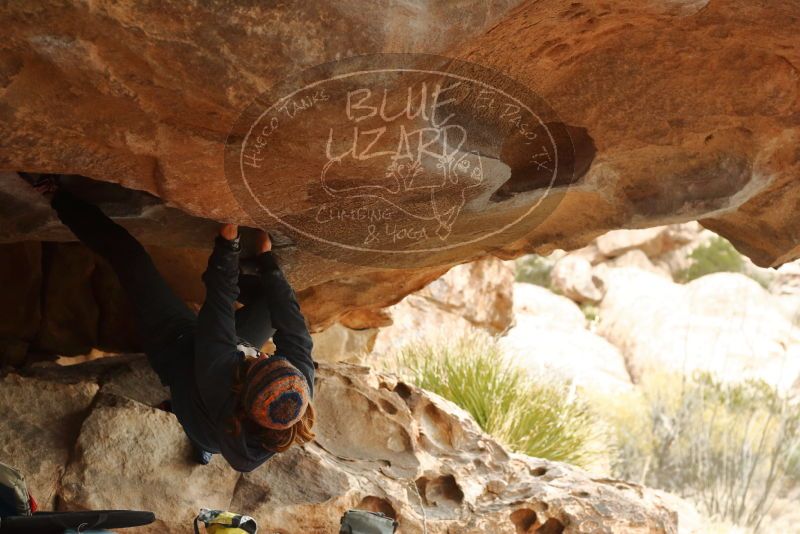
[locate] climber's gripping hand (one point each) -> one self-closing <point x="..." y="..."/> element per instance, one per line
<point x="263" y="242"/>
<point x="229" y="231"/>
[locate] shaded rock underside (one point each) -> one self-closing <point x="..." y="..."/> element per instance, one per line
<point x="693" y="109"/>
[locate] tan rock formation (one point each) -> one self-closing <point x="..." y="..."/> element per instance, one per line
<point x="481" y="292"/>
<point x="787" y="280"/>
<point x="574" y="277"/>
<point x="41" y="420"/>
<point x="653" y="242"/>
<point x="339" y="343"/>
<point x="476" y="295"/>
<point x="662" y="250"/>
<point x="636" y="259"/>
<point x="550" y="340"/>
<point x="675" y="137"/>
<point x="381" y="446"/>
<point x="725" y="323"/>
<point x="693" y="109"/>
<point x="536" y="301"/>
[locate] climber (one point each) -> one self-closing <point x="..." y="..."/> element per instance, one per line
<point x="229" y="397"/>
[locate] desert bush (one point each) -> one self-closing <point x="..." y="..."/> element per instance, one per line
<point x="732" y="448"/>
<point x="534" y="269"/>
<point x="540" y="419"/>
<point x="715" y="256"/>
<point x="590" y="311"/>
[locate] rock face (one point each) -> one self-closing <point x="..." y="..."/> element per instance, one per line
<point x="339" y="343"/>
<point x="41" y="420"/>
<point x="550" y="339"/>
<point x="573" y="276"/>
<point x="725" y="323"/>
<point x="61" y="299"/>
<point x="653" y="242"/>
<point x="477" y="295"/>
<point x="787" y="281"/>
<point x="481" y="292"/>
<point x="145" y="97"/>
<point x="663" y="250"/>
<point x="21" y="311"/>
<point x="381" y="445"/>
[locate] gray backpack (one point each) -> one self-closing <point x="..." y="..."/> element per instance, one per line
<point x="363" y="522"/>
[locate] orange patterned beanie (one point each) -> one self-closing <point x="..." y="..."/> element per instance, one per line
<point x="276" y="394"/>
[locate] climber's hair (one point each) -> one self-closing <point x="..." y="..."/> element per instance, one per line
<point x="272" y="440"/>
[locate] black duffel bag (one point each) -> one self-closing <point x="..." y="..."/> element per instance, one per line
<point x="17" y="512"/>
<point x="58" y="522"/>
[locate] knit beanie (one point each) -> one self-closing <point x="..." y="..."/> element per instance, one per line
<point x="276" y="393"/>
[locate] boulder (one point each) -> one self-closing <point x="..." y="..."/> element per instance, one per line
<point x="477" y="295"/>
<point x="381" y="445"/>
<point x="133" y="456"/>
<point x="573" y="277"/>
<point x="789" y="305"/>
<point x="134" y="95"/>
<point x="545" y="351"/>
<point x="662" y="250"/>
<point x="678" y="260"/>
<point x="636" y="259"/>
<point x="590" y="252"/>
<point x="136" y="381"/>
<point x="536" y="301"/>
<point x="724" y="323"/>
<point x="40" y="424"/>
<point x="480" y="291"/>
<point x="786" y="281"/>
<point x="339" y="343"/>
<point x="550" y="340"/>
<point x="416" y="319"/>
<point x="653" y="242"/>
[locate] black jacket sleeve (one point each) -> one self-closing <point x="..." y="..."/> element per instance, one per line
<point x="216" y="354"/>
<point x="291" y="338"/>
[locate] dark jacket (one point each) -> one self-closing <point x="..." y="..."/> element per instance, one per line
<point x="204" y="402"/>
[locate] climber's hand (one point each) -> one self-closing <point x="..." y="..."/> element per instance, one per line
<point x="229" y="231"/>
<point x="263" y="242"/>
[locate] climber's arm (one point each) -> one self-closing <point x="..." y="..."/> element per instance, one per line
<point x="292" y="339"/>
<point x="215" y="341"/>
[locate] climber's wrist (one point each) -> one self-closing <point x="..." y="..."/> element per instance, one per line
<point x="232" y="245"/>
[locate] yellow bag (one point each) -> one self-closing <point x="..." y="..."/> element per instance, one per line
<point x="219" y="522"/>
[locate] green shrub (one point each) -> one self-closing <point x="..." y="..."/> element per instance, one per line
<point x="716" y="256"/>
<point x="534" y="269"/>
<point x="590" y="311"/>
<point x="538" y="419"/>
<point x="729" y="447"/>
